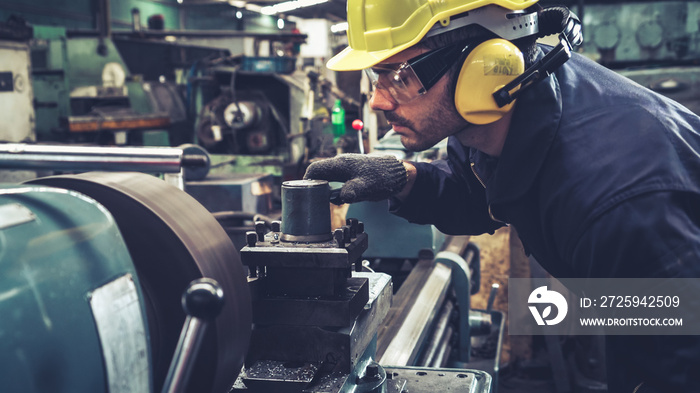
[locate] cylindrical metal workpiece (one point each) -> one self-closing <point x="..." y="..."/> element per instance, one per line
<point x="306" y="214"/>
<point x="93" y="158"/>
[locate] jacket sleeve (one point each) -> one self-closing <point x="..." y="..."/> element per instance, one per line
<point x="651" y="235"/>
<point x="455" y="204"/>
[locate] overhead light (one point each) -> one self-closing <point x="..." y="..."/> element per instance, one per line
<point x="179" y="1"/>
<point x="280" y="23"/>
<point x="289" y="6"/>
<point x="253" y="7"/>
<point x="339" y="27"/>
<point x="237" y="3"/>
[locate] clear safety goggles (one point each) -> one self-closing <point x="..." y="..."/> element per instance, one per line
<point x="408" y="80"/>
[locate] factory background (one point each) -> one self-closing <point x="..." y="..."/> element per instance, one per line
<point x="226" y="101"/>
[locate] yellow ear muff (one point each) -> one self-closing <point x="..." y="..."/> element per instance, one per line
<point x="488" y="67"/>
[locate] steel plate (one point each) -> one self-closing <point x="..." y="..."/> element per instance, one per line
<point x="173" y="240"/>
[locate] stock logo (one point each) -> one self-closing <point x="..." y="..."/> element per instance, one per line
<point x="542" y="296"/>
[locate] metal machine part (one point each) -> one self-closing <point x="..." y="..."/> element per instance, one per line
<point x="77" y="158"/>
<point x="69" y="324"/>
<point x="431" y="323"/>
<point x="297" y="258"/>
<point x="243" y="114"/>
<point x="173" y="240"/>
<point x="420" y="379"/>
<point x="316" y="320"/>
<point x="305" y="216"/>
<point x="202" y="301"/>
<point x="247" y="124"/>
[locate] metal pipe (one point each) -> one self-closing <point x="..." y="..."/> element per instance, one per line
<point x="438" y="332"/>
<point x="106" y="25"/>
<point x="444" y="349"/>
<point x="82" y="158"/>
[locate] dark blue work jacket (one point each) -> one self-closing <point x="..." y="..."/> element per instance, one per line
<point x="601" y="178"/>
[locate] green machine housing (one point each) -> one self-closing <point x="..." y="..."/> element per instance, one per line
<point x="69" y="324"/>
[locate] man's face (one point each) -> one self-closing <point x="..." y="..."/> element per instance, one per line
<point x="427" y="119"/>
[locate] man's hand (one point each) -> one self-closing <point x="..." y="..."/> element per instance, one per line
<point x="366" y="177"/>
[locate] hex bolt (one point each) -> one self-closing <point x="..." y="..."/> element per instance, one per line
<point x="372" y="371"/>
<point x="339" y="237"/>
<point x="276" y="226"/>
<point x="360" y="227"/>
<point x="251" y="238"/>
<point x="260" y="230"/>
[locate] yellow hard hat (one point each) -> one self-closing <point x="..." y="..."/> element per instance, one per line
<point x="379" y="29"/>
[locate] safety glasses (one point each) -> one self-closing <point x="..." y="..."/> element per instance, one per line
<point x="408" y="80"/>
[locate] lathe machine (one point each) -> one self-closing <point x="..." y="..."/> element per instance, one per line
<point x="121" y="282"/>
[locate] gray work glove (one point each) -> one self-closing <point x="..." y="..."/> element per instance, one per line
<point x="366" y="177"/>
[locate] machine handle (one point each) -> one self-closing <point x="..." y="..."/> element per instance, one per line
<point x="357" y="125"/>
<point x="193" y="160"/>
<point x="492" y="297"/>
<point x="202" y="301"/>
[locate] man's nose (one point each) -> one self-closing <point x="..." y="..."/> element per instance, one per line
<point x="382" y="101"/>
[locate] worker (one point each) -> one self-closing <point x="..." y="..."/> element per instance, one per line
<point x="600" y="176"/>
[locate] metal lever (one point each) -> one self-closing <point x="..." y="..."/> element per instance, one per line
<point x="492" y="297"/>
<point x="202" y="301"/>
<point x="357" y="125"/>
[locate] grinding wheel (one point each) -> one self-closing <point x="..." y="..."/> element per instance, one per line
<point x="173" y="240"/>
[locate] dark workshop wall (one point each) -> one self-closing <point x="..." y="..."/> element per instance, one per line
<point x="80" y="14"/>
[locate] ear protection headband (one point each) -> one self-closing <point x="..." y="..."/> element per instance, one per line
<point x="493" y="75"/>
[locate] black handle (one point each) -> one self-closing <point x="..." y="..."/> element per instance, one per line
<point x="202" y="301"/>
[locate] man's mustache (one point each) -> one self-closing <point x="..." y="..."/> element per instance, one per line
<point x="392" y="117"/>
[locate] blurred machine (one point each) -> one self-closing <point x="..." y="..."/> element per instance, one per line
<point x="251" y="109"/>
<point x="85" y="92"/>
<point x="15" y="84"/>
<point x="654" y="43"/>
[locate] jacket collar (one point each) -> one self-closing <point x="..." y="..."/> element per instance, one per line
<point x="533" y="128"/>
